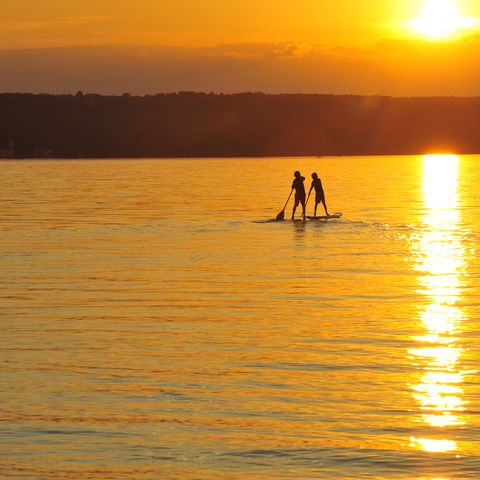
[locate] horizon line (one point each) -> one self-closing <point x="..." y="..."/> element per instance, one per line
<point x="81" y="93"/>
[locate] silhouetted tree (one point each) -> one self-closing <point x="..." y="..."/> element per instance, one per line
<point x="247" y="124"/>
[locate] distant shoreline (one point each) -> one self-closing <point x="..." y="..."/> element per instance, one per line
<point x="325" y="157"/>
<point x="249" y="125"/>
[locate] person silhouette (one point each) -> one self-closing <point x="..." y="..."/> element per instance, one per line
<point x="319" y="193"/>
<point x="300" y="194"/>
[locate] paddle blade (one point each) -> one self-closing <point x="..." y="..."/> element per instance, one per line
<point x="280" y="216"/>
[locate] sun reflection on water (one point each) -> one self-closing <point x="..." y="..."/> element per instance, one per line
<point x="434" y="446"/>
<point x="441" y="260"/>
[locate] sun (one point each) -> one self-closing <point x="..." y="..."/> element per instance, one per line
<point x="441" y="19"/>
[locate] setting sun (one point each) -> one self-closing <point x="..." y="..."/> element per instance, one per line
<point x="441" y="19"/>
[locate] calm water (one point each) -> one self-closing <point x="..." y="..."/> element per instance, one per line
<point x="154" y="327"/>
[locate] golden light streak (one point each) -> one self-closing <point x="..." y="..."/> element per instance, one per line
<point x="433" y="446"/>
<point x="441" y="260"/>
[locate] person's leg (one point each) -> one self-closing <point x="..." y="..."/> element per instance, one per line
<point x="315" y="210"/>
<point x="325" y="206"/>
<point x="303" y="207"/>
<point x="295" y="205"/>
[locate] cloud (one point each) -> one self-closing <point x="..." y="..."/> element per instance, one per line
<point x="388" y="67"/>
<point x="56" y="23"/>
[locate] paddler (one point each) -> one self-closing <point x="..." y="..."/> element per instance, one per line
<point x="300" y="194"/>
<point x="319" y="193"/>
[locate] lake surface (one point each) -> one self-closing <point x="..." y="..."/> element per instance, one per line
<point x="154" y="325"/>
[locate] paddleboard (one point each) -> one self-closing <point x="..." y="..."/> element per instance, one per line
<point x="326" y="217"/>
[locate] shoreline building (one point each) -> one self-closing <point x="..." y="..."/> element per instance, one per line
<point x="7" y="151"/>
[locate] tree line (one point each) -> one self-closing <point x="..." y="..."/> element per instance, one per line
<point x="189" y="124"/>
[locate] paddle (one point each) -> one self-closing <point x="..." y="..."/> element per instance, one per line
<point x="281" y="215"/>
<point x="306" y="203"/>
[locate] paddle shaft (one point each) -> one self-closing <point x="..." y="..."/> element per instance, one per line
<point x="287" y="201"/>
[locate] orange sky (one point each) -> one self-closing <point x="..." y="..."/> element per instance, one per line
<point x="30" y="23"/>
<point x="341" y="46"/>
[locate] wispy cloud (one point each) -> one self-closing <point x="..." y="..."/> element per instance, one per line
<point x="389" y="67"/>
<point x="55" y="23"/>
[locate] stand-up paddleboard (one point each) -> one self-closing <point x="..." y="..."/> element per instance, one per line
<point x="326" y="217"/>
<point x="274" y="220"/>
<point x="300" y="220"/>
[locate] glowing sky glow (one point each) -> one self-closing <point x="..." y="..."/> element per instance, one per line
<point x="31" y="24"/>
<point x="386" y="47"/>
<point x="441" y="19"/>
